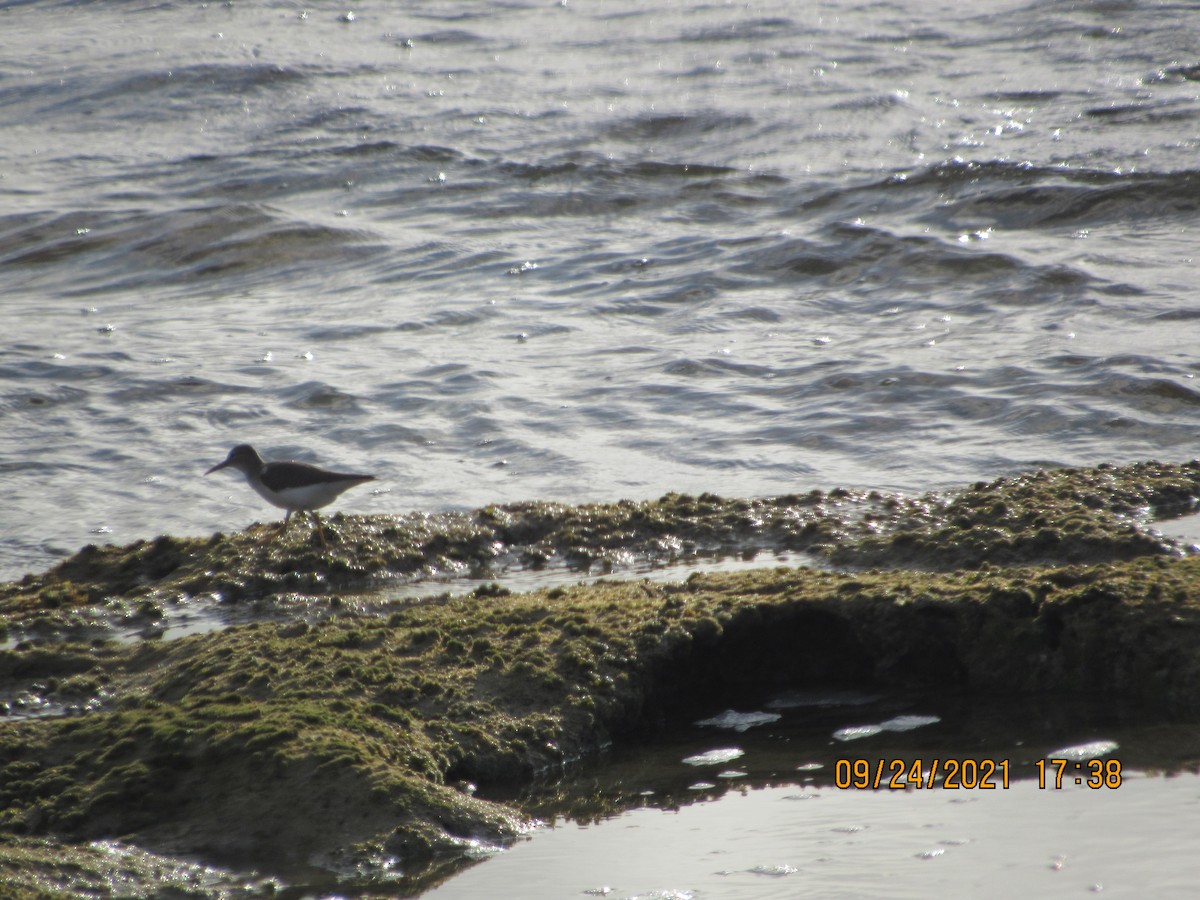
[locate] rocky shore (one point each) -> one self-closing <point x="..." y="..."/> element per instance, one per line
<point x="342" y="729"/>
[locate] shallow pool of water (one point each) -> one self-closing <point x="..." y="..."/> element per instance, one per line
<point x="788" y="841"/>
<point x="760" y="803"/>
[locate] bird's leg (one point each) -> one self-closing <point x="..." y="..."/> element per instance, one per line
<point x="320" y="530"/>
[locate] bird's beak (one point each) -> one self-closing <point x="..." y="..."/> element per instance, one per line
<point x="219" y="465"/>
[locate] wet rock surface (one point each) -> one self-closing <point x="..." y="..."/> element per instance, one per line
<point x="347" y="740"/>
<point x="1054" y="516"/>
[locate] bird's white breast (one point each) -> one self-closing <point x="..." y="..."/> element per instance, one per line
<point x="309" y="496"/>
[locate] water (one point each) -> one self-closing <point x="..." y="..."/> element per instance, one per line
<point x="583" y="251"/>
<point x="782" y="842"/>
<point x="772" y="821"/>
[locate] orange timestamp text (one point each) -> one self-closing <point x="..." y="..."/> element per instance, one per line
<point x="970" y="774"/>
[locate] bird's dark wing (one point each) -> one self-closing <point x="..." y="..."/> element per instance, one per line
<point x="278" y="476"/>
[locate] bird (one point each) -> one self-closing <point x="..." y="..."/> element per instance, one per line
<point x="294" y="486"/>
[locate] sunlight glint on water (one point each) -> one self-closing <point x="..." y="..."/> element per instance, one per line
<point x="583" y="251"/>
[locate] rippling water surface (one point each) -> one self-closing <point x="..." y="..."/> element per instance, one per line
<point x="584" y="250"/>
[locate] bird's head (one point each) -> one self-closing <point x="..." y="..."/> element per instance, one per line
<point x="243" y="457"/>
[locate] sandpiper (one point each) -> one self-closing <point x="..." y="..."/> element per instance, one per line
<point x="294" y="486"/>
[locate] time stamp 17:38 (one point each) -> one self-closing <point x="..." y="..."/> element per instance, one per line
<point x="971" y="774"/>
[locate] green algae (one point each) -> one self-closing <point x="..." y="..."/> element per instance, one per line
<point x="328" y="743"/>
<point x="1047" y="516"/>
<point x="353" y="742"/>
<point x="1057" y="516"/>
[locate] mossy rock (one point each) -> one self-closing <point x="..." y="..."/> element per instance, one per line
<point x="303" y="744"/>
<point x="346" y="739"/>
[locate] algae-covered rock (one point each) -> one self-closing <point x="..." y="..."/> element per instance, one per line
<point x="347" y="740"/>
<point x="1046" y="516"/>
<point x="301" y="745"/>
<point x="1057" y="516"/>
